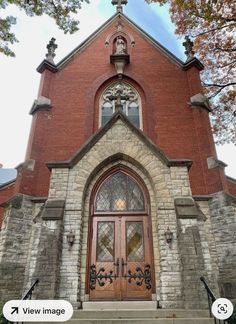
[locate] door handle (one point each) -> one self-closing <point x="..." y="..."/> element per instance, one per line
<point x="123" y="264"/>
<point x="117" y="264"/>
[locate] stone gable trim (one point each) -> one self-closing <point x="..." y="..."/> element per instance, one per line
<point x="39" y="199"/>
<point x="6" y="184"/>
<point x="14" y="201"/>
<point x="45" y="64"/>
<point x="53" y="209"/>
<point x="226" y="198"/>
<point x="40" y="103"/>
<point x="213" y="162"/>
<point x="202" y="197"/>
<point x="194" y="62"/>
<point x="187" y="208"/>
<point x="231" y="179"/>
<point x="199" y="100"/>
<point x="185" y="66"/>
<point x="99" y="134"/>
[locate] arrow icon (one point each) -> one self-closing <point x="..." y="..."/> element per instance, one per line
<point x="15" y="310"/>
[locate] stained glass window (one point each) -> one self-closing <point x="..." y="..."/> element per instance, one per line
<point x="107" y="111"/>
<point x="119" y="193"/>
<point x="129" y="98"/>
<point x="105" y="241"/>
<point x="134" y="241"/>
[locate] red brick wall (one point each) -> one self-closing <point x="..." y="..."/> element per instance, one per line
<point x="232" y="186"/>
<point x="5" y="194"/>
<point x="179" y="130"/>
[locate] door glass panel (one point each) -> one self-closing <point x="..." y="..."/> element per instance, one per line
<point x="134" y="241"/>
<point x="120" y="193"/>
<point x="105" y="241"/>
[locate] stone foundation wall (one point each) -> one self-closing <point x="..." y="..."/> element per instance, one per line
<point x="11" y="281"/>
<point x="223" y="211"/>
<point x="14" y="246"/>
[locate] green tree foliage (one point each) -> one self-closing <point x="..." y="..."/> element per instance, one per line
<point x="59" y="10"/>
<point x="212" y="25"/>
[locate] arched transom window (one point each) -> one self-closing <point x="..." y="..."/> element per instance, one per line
<point x="119" y="192"/>
<point x="129" y="99"/>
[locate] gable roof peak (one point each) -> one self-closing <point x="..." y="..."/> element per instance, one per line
<point x="103" y="130"/>
<point x="120" y="15"/>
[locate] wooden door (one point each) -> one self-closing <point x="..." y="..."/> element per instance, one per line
<point x="105" y="255"/>
<point x="136" y="267"/>
<point x="120" y="267"/>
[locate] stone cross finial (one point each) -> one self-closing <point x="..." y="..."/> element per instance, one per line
<point x="119" y="96"/>
<point x="51" y="50"/>
<point x="188" y="44"/>
<point x="119" y="4"/>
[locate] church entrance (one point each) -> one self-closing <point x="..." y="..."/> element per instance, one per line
<point x="120" y="265"/>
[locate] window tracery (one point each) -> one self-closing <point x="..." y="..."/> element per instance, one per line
<point x="127" y="96"/>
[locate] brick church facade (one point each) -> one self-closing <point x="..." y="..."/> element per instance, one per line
<point x="121" y="195"/>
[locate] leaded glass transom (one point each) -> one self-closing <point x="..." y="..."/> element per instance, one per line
<point x="105" y="241"/>
<point x="119" y="193"/>
<point x="128" y="97"/>
<point x="134" y="241"/>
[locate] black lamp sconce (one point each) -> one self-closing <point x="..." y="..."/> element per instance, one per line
<point x="169" y="236"/>
<point x="70" y="239"/>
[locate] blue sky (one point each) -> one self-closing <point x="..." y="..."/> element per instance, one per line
<point x="19" y="80"/>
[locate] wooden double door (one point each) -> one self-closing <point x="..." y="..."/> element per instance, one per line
<point x="121" y="258"/>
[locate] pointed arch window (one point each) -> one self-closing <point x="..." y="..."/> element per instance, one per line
<point x="119" y="193"/>
<point x="130" y="100"/>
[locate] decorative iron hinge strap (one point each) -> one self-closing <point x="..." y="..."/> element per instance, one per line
<point x="101" y="277"/>
<point x="141" y="276"/>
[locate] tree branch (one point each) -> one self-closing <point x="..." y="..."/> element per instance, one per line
<point x="216" y="93"/>
<point x="218" y="85"/>
<point x="225" y="49"/>
<point x="213" y="30"/>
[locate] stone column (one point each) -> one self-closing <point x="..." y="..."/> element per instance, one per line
<point x="47" y="267"/>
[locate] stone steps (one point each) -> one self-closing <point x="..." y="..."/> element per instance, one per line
<point x="120" y="305"/>
<point x="140" y="313"/>
<point x="143" y="321"/>
<point x="94" y="314"/>
<point x="141" y="316"/>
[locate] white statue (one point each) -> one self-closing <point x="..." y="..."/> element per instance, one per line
<point x="120" y="45"/>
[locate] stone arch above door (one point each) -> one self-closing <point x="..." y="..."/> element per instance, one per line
<point x="119" y="164"/>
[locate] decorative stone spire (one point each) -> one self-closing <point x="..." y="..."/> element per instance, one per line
<point x="51" y="50"/>
<point x="188" y="44"/>
<point x="119" y="4"/>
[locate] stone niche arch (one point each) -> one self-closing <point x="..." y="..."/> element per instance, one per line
<point x="129" y="39"/>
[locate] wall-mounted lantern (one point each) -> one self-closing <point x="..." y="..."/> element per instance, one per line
<point x="70" y="239"/>
<point x="169" y="236"/>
